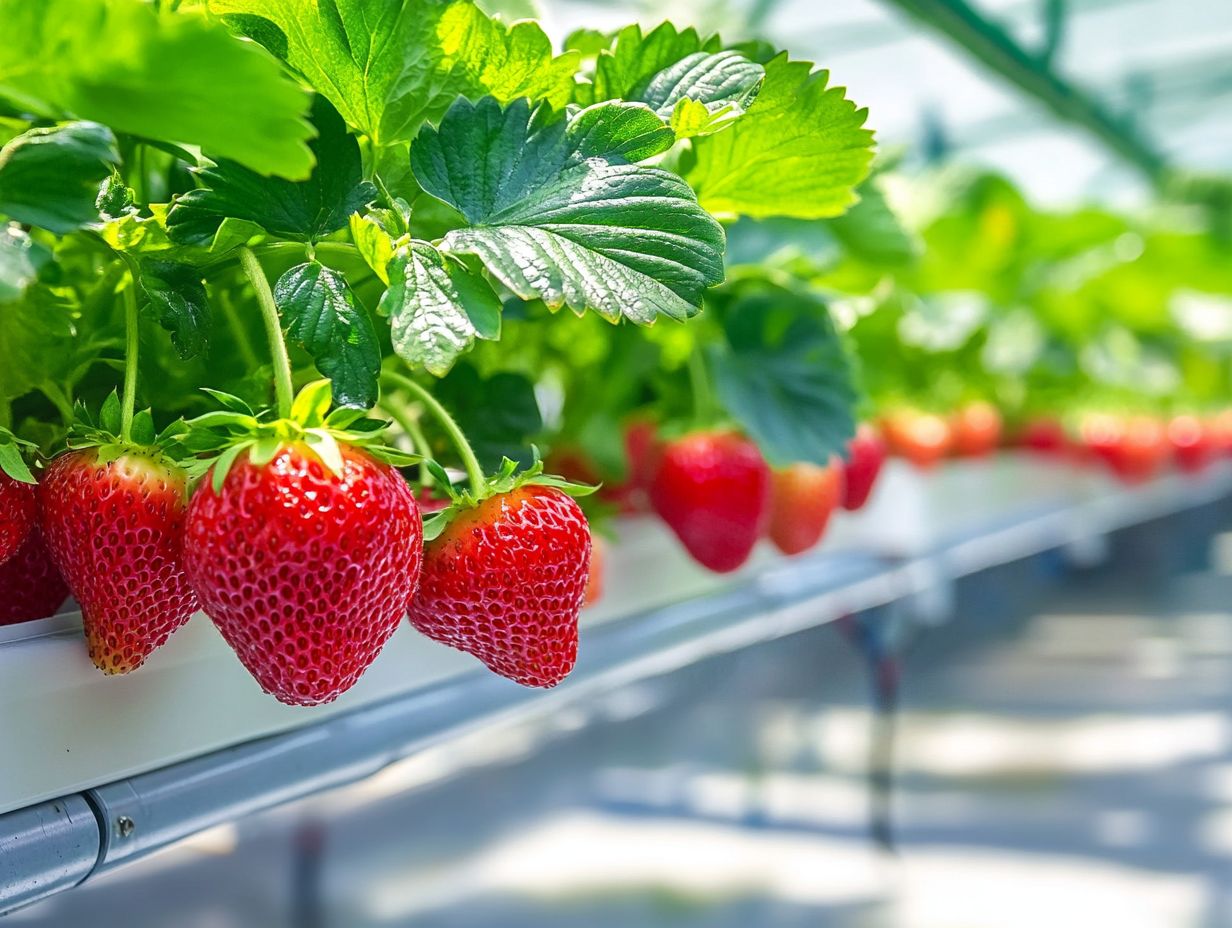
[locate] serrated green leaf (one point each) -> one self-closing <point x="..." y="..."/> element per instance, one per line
<point x="51" y="177"/>
<point x="800" y="150"/>
<point x="693" y="85"/>
<point x="631" y="59"/>
<point x="173" y="76"/>
<point x="436" y="307"/>
<point x="557" y="212"/>
<point x="319" y="312"/>
<point x="21" y="258"/>
<point x="390" y="65"/>
<point x="115" y="198"/>
<point x="784" y="377"/>
<point x="305" y="210"/>
<point x="177" y="293"/>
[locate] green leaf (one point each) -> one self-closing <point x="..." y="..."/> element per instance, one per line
<point x="693" y="86"/>
<point x="390" y="65"/>
<point x="176" y="77"/>
<point x="177" y="292"/>
<point x="558" y="212"/>
<point x="871" y="231"/>
<point x="21" y="257"/>
<point x="319" y="312"/>
<point x="800" y="150"/>
<point x="784" y="376"/>
<point x="305" y="210"/>
<point x="37" y="339"/>
<point x="143" y="431"/>
<point x="375" y="245"/>
<point x="499" y="414"/>
<point x="109" y="416"/>
<point x="51" y="177"/>
<point x="436" y="307"/>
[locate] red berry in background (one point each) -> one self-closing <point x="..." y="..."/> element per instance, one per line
<point x="30" y="585"/>
<point x="505" y="580"/>
<point x="18" y="512"/>
<point x="1193" y="443"/>
<point x="306" y="573"/>
<point x="428" y="502"/>
<point x="866" y="454"/>
<point x="642" y="450"/>
<point x="598" y="565"/>
<point x="116" y="531"/>
<point x="1043" y="434"/>
<point x="713" y="490"/>
<point x="1220" y="428"/>
<point x="976" y="430"/>
<point x="920" y="437"/>
<point x="1135" y="448"/>
<point x="803" y="497"/>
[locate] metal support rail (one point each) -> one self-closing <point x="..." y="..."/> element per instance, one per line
<point x="1032" y="73"/>
<point x="54" y="846"/>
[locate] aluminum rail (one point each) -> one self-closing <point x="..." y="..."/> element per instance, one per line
<point x="53" y="846"/>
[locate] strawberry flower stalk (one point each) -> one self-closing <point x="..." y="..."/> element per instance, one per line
<point x="505" y="565"/>
<point x="113" y="510"/>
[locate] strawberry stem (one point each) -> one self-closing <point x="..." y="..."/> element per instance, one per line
<point x="703" y="396"/>
<point x="410" y="424"/>
<point x="131" y="346"/>
<point x="474" y="473"/>
<point x="284" y="392"/>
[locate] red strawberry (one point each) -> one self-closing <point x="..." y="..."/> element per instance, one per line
<point x="1044" y="435"/>
<point x="1193" y="443"/>
<point x="18" y="511"/>
<point x="306" y="573"/>
<point x="865" y="455"/>
<point x="594" y="579"/>
<point x="803" y="497"/>
<point x="713" y="490"/>
<point x="504" y="581"/>
<point x="116" y="531"/>
<point x="922" y="438"/>
<point x="976" y="430"/>
<point x="30" y="585"/>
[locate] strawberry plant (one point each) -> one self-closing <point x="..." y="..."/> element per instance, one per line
<point x="390" y="202"/>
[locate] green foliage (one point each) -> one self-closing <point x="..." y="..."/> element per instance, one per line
<point x="783" y="375"/>
<point x="390" y="65"/>
<point x="177" y="293"/>
<point x="51" y="178"/>
<point x="560" y="212"/>
<point x="160" y="75"/>
<point x="319" y="313"/>
<point x="800" y="150"/>
<point x="307" y="210"/>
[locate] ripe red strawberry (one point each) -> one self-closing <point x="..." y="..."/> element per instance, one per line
<point x="865" y="455"/>
<point x="18" y="511"/>
<point x="1194" y="443"/>
<point x="713" y="490"/>
<point x="30" y="585"/>
<point x="504" y="581"/>
<point x="802" y="500"/>
<point x="976" y="430"/>
<point x="305" y="572"/>
<point x="116" y="530"/>
<point x="595" y="576"/>
<point x="1043" y="435"/>
<point x="922" y="438"/>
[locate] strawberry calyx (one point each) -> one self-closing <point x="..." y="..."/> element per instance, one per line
<point x="12" y="459"/>
<point x="506" y="479"/>
<point x="105" y="433"/>
<point x="217" y="439"/>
